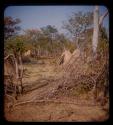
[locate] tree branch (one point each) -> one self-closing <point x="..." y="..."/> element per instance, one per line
<point x="8" y="56"/>
<point x="102" y="18"/>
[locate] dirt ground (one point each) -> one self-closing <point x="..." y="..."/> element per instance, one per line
<point x="62" y="109"/>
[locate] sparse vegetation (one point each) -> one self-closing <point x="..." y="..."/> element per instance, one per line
<point x="60" y="78"/>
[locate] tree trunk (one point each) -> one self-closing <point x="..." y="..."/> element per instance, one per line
<point x="95" y="31"/>
<point x="77" y="43"/>
<point x="95" y="41"/>
<point x="21" y="71"/>
<point x="16" y="67"/>
<point x="16" y="84"/>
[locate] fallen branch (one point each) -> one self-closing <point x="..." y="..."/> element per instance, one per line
<point x="54" y="101"/>
<point x="29" y="88"/>
<point x="11" y="97"/>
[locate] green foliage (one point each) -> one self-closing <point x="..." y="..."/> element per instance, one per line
<point x="103" y="34"/>
<point x="103" y="44"/>
<point x="48" y="30"/>
<point x="43" y="40"/>
<point x="81" y="88"/>
<point x="11" y="27"/>
<point x="70" y="46"/>
<point x="78" y="23"/>
<point x="15" y="44"/>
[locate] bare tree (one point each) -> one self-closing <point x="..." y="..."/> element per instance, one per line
<point x="77" y="25"/>
<point x="95" y="30"/>
<point x="98" y="21"/>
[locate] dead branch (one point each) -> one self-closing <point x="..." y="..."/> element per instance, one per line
<point x="102" y="18"/>
<point x="8" y="56"/>
<point x="31" y="87"/>
<point x="54" y="101"/>
<point x="11" y="97"/>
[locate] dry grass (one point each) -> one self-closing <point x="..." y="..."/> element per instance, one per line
<point x="54" y="110"/>
<point x="35" y="71"/>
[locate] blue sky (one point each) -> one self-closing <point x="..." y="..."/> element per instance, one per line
<point x="40" y="16"/>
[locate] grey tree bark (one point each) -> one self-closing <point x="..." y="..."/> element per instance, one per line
<point x="98" y="21"/>
<point x="95" y="30"/>
<point x="17" y="74"/>
<point x="18" y="84"/>
<point x="21" y="72"/>
<point x="97" y="24"/>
